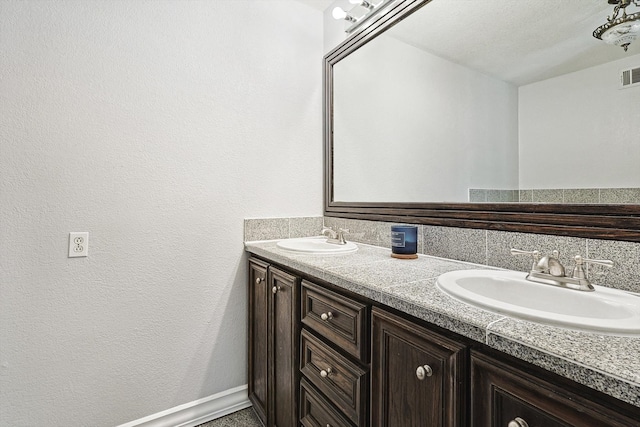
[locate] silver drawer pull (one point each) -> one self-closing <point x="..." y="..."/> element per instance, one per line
<point x="517" y="422"/>
<point x="258" y="280"/>
<point x="325" y="372"/>
<point x="425" y="371"/>
<point x="326" y="316"/>
<point x="275" y="289"/>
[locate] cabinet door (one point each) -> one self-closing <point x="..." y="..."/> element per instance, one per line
<point x="283" y="347"/>
<point x="258" y="334"/>
<point x="503" y="394"/>
<point x="417" y="375"/>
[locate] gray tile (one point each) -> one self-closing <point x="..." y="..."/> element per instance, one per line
<point x="547" y="196"/>
<point x="244" y="418"/>
<point x="364" y="231"/>
<point x="266" y="229"/>
<point x="526" y="196"/>
<point x="582" y="195"/>
<point x="333" y="222"/>
<point x="477" y="195"/>
<point x="620" y="195"/>
<point x="499" y="244"/>
<point x="494" y="196"/>
<point x="425" y="301"/>
<point x="305" y="226"/>
<point x="464" y="244"/>
<point x="512" y="196"/>
<point x="625" y="274"/>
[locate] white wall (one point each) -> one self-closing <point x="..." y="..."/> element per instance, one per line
<point x="580" y="131"/>
<point x="156" y="127"/>
<point x="404" y="115"/>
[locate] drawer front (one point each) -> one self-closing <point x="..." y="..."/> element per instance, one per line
<point x="315" y="411"/>
<point x="337" y="318"/>
<point x="343" y="382"/>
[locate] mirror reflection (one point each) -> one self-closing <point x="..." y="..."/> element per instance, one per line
<point x="488" y="101"/>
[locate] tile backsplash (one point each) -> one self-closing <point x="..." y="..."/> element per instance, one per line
<point x="570" y="196"/>
<point x="485" y="247"/>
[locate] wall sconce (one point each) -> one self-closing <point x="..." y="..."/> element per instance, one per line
<point x="362" y="10"/>
<point x="620" y="29"/>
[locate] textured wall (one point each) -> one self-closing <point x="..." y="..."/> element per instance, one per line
<point x="398" y="135"/>
<point x="156" y="127"/>
<point x="582" y="128"/>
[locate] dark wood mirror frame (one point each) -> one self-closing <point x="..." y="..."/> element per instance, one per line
<point x="615" y="222"/>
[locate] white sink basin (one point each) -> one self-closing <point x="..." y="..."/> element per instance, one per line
<point x="605" y="311"/>
<point x="316" y="246"/>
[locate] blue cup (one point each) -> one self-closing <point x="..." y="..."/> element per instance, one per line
<point x="404" y="239"/>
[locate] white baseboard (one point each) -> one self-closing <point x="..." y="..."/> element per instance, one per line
<point x="197" y="412"/>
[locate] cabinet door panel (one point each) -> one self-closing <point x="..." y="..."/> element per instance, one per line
<point x="258" y="333"/>
<point x="501" y="392"/>
<point x="404" y="397"/>
<point x="283" y="340"/>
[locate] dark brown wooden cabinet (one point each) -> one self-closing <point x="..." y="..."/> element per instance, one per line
<point x="319" y="356"/>
<point x="273" y="344"/>
<point x="418" y="377"/>
<point x="503" y="395"/>
<point x="258" y="335"/>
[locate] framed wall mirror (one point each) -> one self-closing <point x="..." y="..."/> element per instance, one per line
<point x="494" y="114"/>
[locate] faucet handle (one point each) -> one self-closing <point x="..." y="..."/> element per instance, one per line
<point x="578" y="271"/>
<point x="534" y="254"/>
<point x="341" y="233"/>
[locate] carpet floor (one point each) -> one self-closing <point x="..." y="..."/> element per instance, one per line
<point x="244" y="418"/>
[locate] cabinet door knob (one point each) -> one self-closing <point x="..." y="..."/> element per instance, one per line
<point x="425" y="371"/>
<point x="517" y="422"/>
<point x="325" y="372"/>
<point x="275" y="289"/>
<point x="259" y="280"/>
<point x="326" y="316"/>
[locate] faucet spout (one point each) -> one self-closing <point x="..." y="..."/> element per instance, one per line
<point x="335" y="237"/>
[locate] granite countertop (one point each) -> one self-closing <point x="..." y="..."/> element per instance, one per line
<point x="609" y="364"/>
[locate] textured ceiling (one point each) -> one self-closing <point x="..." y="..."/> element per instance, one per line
<point x="317" y="4"/>
<point x="515" y="40"/>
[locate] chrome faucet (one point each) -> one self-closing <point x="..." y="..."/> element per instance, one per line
<point x="550" y="271"/>
<point x="335" y="237"/>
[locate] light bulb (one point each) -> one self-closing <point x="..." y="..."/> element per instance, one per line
<point x="338" y="13"/>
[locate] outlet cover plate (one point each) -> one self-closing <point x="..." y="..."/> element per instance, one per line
<point x="78" y="244"/>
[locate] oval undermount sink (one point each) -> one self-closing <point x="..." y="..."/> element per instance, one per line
<point x="316" y="246"/>
<point x="605" y="311"/>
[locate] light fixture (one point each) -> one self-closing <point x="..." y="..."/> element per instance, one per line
<point x="339" y="13"/>
<point x="621" y="28"/>
<point x="361" y="11"/>
<point x="364" y="3"/>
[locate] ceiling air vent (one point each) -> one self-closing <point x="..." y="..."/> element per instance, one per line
<point x="630" y="77"/>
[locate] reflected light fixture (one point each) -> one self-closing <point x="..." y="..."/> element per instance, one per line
<point x="621" y="28"/>
<point x="359" y="13"/>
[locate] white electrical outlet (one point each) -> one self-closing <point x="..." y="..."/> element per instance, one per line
<point x="78" y="244"/>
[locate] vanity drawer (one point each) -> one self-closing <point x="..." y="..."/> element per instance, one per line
<point x="342" y="381"/>
<point x="339" y="319"/>
<point x="316" y="411"/>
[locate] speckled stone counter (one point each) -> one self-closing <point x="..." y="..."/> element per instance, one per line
<point x="609" y="364"/>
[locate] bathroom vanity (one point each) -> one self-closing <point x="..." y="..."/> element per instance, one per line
<point x="363" y="339"/>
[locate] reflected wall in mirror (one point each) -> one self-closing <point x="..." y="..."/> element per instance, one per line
<point x="484" y="98"/>
<point x="488" y="101"/>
